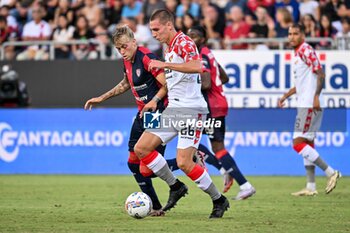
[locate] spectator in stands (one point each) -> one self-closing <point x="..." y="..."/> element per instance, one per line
<point x="310" y="7"/>
<point x="331" y="9"/>
<point x="264" y="27"/>
<point x="187" y="22"/>
<point x="230" y="3"/>
<point x="7" y="33"/>
<point x="143" y="35"/>
<point x="214" y="24"/>
<point x="284" y="20"/>
<point x="11" y="21"/>
<point x="92" y="12"/>
<point x="35" y="30"/>
<point x="344" y="9"/>
<point x="51" y="6"/>
<point x="344" y="35"/>
<point x="63" y="33"/>
<point x="82" y="32"/>
<point x="326" y="30"/>
<point x="171" y="5"/>
<point x="268" y="4"/>
<point x="186" y="6"/>
<point x="132" y="8"/>
<point x="20" y="13"/>
<point x="113" y="14"/>
<point x="9" y="3"/>
<point x="310" y="24"/>
<point x="148" y="7"/>
<point x="101" y="35"/>
<point x="238" y="29"/>
<point x="64" y="9"/>
<point x="291" y="5"/>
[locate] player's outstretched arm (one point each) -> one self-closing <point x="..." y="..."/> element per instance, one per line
<point x="193" y="66"/>
<point x="120" y="88"/>
<point x="291" y="92"/>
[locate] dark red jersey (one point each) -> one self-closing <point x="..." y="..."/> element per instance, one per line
<point x="215" y="96"/>
<point x="144" y="84"/>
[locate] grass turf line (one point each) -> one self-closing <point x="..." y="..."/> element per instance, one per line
<point x="96" y="204"/>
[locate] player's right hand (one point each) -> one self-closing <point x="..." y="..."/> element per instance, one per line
<point x="92" y="102"/>
<point x="281" y="102"/>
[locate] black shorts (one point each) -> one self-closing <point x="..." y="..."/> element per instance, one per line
<point x="136" y="132"/>
<point x="216" y="134"/>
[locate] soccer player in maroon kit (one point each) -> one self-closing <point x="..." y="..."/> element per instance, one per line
<point x="212" y="78"/>
<point x="148" y="88"/>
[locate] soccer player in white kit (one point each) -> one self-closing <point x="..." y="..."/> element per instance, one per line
<point x="308" y="79"/>
<point x="182" y="67"/>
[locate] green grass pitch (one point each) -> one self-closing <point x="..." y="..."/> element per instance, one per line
<point x="96" y="204"/>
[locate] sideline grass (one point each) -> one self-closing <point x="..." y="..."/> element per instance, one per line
<point x="96" y="204"/>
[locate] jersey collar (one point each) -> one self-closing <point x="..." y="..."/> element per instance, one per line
<point x="297" y="48"/>
<point x="175" y="37"/>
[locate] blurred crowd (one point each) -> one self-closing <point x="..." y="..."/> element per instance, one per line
<point x="93" y="21"/>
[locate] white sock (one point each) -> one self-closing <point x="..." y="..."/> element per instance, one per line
<point x="311" y="186"/>
<point x="246" y="185"/>
<point x="329" y="171"/>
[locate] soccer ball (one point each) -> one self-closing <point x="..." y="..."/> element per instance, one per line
<point x="138" y="205"/>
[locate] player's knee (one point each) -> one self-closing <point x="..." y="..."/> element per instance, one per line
<point x="145" y="171"/>
<point x="139" y="150"/>
<point x="185" y="165"/>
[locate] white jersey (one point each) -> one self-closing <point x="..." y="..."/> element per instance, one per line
<point x="184" y="89"/>
<point x="305" y="65"/>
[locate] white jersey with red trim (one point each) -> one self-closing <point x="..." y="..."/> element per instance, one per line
<point x="305" y="65"/>
<point x="184" y="89"/>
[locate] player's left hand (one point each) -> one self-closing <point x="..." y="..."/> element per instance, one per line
<point x="156" y="64"/>
<point x="150" y="106"/>
<point x="316" y="105"/>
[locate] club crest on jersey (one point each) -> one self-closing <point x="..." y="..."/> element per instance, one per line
<point x="171" y="58"/>
<point x="138" y="72"/>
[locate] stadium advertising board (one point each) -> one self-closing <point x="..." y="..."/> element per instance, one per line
<point x="74" y="141"/>
<point x="258" y="78"/>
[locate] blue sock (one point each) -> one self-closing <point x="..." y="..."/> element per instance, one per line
<point x="172" y="164"/>
<point x="230" y="166"/>
<point x="145" y="184"/>
<point x="209" y="157"/>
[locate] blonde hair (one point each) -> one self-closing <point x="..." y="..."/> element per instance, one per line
<point x="121" y="31"/>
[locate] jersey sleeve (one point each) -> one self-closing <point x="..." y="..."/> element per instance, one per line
<point x="205" y="63"/>
<point x="310" y="58"/>
<point x="188" y="50"/>
<point x="146" y="60"/>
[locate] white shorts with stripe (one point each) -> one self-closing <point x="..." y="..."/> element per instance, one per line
<point x="189" y="135"/>
<point x="307" y="123"/>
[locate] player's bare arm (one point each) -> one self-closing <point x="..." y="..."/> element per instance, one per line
<point x="120" y="88"/>
<point x="223" y="76"/>
<point x="206" y="81"/>
<point x="193" y="66"/>
<point x="152" y="104"/>
<point x="291" y="92"/>
<point x="320" y="82"/>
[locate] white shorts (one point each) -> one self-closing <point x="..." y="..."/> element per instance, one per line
<point x="307" y="123"/>
<point x="189" y="134"/>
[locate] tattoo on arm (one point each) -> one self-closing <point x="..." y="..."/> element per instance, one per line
<point x="120" y="88"/>
<point x="320" y="81"/>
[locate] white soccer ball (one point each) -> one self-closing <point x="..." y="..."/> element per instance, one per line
<point x="138" y="205"/>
